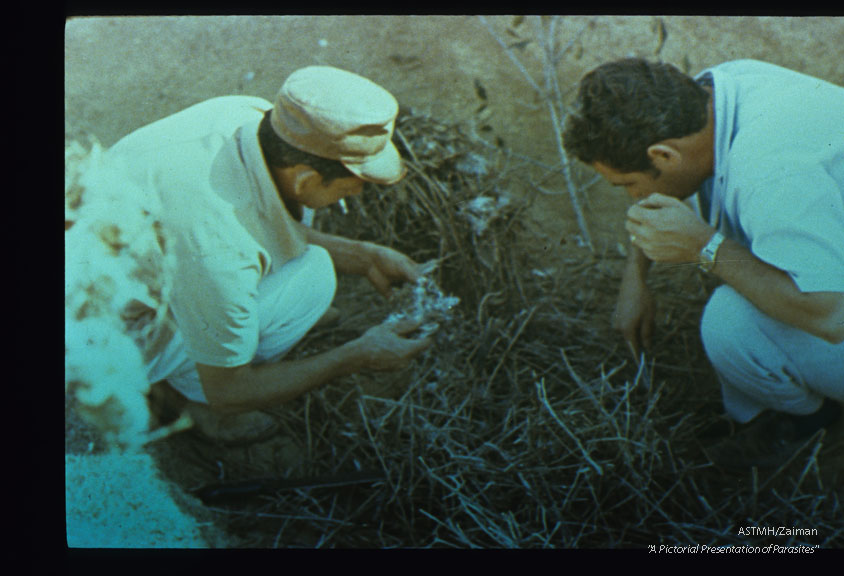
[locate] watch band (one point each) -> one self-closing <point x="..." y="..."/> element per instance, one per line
<point x="710" y="251"/>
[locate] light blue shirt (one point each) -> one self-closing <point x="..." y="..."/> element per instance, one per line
<point x="778" y="183"/>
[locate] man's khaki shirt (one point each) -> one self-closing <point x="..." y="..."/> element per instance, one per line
<point x="221" y="216"/>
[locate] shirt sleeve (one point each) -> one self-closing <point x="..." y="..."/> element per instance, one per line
<point x="796" y="223"/>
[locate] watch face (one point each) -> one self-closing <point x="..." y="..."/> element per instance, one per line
<point x="707" y="255"/>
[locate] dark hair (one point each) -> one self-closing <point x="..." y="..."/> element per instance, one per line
<point x="279" y="153"/>
<point x="623" y="107"/>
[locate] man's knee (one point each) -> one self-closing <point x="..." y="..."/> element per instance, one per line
<point x="303" y="285"/>
<point x="737" y="340"/>
<point x="324" y="276"/>
<point x="294" y="300"/>
<point x="769" y="363"/>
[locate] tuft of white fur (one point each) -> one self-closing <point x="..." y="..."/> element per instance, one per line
<point x="115" y="267"/>
<point x="424" y="303"/>
<point x="114" y="264"/>
<point x="482" y="210"/>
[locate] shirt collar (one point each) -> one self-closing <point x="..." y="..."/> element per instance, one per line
<point x="723" y="110"/>
<point x="250" y="152"/>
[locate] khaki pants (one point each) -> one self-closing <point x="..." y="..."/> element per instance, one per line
<point x="290" y="301"/>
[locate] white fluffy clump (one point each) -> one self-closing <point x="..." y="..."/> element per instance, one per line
<point x="424" y="303"/>
<point x="116" y="293"/>
<point x="482" y="210"/>
<point x="113" y="263"/>
<point x="474" y="164"/>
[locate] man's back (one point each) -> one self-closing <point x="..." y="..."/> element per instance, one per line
<point x="778" y="117"/>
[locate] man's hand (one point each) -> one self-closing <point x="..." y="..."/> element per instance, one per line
<point x="385" y="347"/>
<point x="667" y="230"/>
<point x="381" y="265"/>
<point x="258" y="386"/>
<point x="388" y="267"/>
<point x="634" y="312"/>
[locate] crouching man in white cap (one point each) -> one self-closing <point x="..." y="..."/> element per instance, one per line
<point x="249" y="280"/>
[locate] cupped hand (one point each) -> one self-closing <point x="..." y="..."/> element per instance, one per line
<point x="388" y="267"/>
<point x="386" y="346"/>
<point x="666" y="229"/>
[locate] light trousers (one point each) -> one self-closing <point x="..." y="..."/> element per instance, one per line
<point x="765" y="364"/>
<point x="290" y="301"/>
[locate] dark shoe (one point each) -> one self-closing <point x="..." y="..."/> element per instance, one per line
<point x="769" y="441"/>
<point x="165" y="404"/>
<point x="231" y="429"/>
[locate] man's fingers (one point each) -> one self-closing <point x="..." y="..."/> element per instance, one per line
<point x="380" y="282"/>
<point x="420" y="345"/>
<point x="638" y="215"/>
<point x="412" y="270"/>
<point x="636" y="233"/>
<point x="404" y="325"/>
<point x="391" y="269"/>
<point x="395" y="266"/>
<point x="643" y="210"/>
<point x="656" y="201"/>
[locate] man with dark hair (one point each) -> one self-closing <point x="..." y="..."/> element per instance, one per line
<point x="740" y="170"/>
<point x="248" y="279"/>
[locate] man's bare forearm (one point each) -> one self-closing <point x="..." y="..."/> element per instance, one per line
<point x="637" y="262"/>
<point x="773" y="292"/>
<point x="349" y="256"/>
<point x="251" y="387"/>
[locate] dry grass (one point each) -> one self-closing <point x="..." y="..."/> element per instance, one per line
<point x="528" y="426"/>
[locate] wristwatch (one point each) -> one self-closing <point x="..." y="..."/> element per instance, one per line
<point x="707" y="255"/>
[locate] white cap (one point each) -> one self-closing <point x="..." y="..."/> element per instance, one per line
<point x="339" y="115"/>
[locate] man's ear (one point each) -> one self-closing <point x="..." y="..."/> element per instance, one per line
<point x="294" y="181"/>
<point x="303" y="177"/>
<point x="664" y="156"/>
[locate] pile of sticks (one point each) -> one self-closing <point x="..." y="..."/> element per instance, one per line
<point x="528" y="425"/>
